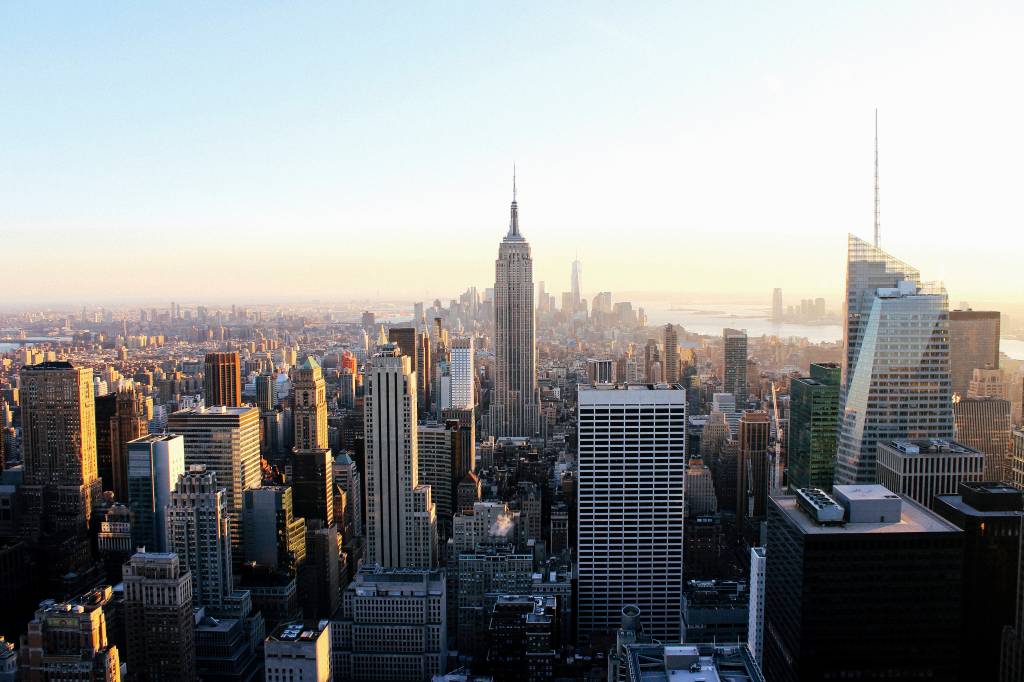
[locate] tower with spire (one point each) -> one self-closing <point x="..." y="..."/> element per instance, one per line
<point x="514" y="407"/>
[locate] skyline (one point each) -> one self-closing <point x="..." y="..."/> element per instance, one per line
<point x="203" y="142"/>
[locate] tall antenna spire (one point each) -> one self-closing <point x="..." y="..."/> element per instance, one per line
<point x="877" y="225"/>
<point x="513" y="226"/>
<point x="514" y="174"/>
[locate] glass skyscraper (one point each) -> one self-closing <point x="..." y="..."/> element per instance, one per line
<point x="813" y="421"/>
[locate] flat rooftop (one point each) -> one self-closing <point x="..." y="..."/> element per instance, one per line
<point x="913" y="519"/>
<point x="931" y="446"/>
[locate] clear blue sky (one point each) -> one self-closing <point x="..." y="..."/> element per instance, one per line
<point x="337" y="150"/>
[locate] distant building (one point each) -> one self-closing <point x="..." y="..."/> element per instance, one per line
<point x="299" y="652"/>
<point x="155" y="463"/>
<point x="922" y="469"/>
<point x="776" y="305"/>
<point x="735" y="368"/>
<point x="309" y="406"/>
<point x="222" y="380"/>
<point x="985" y="425"/>
<point x="868" y="541"/>
<point x="973" y="344"/>
<point x="670" y="366"/>
<point x="753" y="466"/>
<point x="158" y="618"/>
<point x="813" y="426"/>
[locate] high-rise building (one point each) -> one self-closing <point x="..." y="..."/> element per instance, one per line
<point x="652" y="358"/>
<point x="313" y="484"/>
<point x="753" y="467"/>
<point x="813" y="422"/>
<point x="463" y="373"/>
<point x="322" y="573"/>
<point x="410" y="606"/>
<point x="735" y="367"/>
<point x="407" y="341"/>
<point x="424" y="371"/>
<point x="988" y="383"/>
<point x="1011" y="660"/>
<point x="522" y="638"/>
<point x="155" y="463"/>
<point x="670" y="367"/>
<point x="299" y="652"/>
<point x="159" y="624"/>
<point x="863" y="586"/>
<point x="922" y="469"/>
<point x="714" y="611"/>
<point x="973" y="344"/>
<point x="198" y="532"/>
<point x="227" y="441"/>
<point x="438" y="445"/>
<point x="348" y="478"/>
<point x="266" y="392"/>
<point x="401" y="517"/>
<point x="58" y="449"/>
<point x="984" y="424"/>
<point x="309" y="406"/>
<point x="69" y="641"/>
<point x="899" y="387"/>
<point x="632" y="475"/>
<point x="274" y="536"/>
<point x="514" y="406"/>
<point x="222" y="380"/>
<point x="700" y="488"/>
<point x="990" y="515"/>
<point x="1017" y="459"/>
<point x="776" y="305"/>
<point x="130" y="421"/>
<point x="755" y="620"/>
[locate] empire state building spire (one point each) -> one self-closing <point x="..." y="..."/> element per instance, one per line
<point x="513" y="226"/>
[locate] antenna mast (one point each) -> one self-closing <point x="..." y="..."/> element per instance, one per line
<point x="876" y="181"/>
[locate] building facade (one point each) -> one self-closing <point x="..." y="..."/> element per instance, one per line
<point x="922" y="469"/>
<point x="222" y="380"/>
<point x="155" y="463"/>
<point x="158" y="618"/>
<point x="813" y="425"/>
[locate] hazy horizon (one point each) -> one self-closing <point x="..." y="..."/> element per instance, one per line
<point x="331" y="152"/>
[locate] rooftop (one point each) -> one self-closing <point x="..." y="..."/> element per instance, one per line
<point x="930" y="446"/>
<point x="913" y="517"/>
<point x="307" y="631"/>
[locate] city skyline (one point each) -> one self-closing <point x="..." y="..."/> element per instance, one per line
<point x="323" y="145"/>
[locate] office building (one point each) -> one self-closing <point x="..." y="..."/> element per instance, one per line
<point x="309" y="406"/>
<point x="438" y="446"/>
<point x="922" y="469"/>
<point x="576" y="284"/>
<point x="130" y="421"/>
<point x="198" y="532"/>
<point x="114" y="541"/>
<point x="299" y="652"/>
<point x="1011" y="660"/>
<point x="700" y="488"/>
<point x="58" y="448"/>
<point x="990" y="515"/>
<point x="462" y="371"/>
<point x="988" y="383"/>
<point x="159" y="626"/>
<point x="670" y="366"/>
<point x="226" y="440"/>
<point x="222" y="380"/>
<point x="864" y="585"/>
<point x="735" y="365"/>
<point x="406" y="341"/>
<point x="226" y="641"/>
<point x="322" y="574"/>
<point x="69" y="641"/>
<point x="155" y="462"/>
<point x="274" y="536"/>
<point x="776" y="305"/>
<point x="973" y="344"/>
<point x="649" y="662"/>
<point x="313" y="484"/>
<point x="1017" y="459"/>
<point x="515" y="403"/>
<point x="407" y="604"/>
<point x="755" y="618"/>
<point x="401" y="518"/>
<point x="600" y="371"/>
<point x="715" y="612"/>
<point x="639" y="433"/>
<point x="899" y="388"/>
<point x="984" y="424"/>
<point x="424" y="372"/>
<point x="753" y="467"/>
<point x="266" y="393"/>
<point x="813" y="425"/>
<point x="522" y="638"/>
<point x="348" y="478"/>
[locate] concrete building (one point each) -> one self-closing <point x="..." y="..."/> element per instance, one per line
<point x="715" y="612"/>
<point x="299" y="652"/>
<point x="700" y="488"/>
<point x="734" y="379"/>
<point x="973" y="344"/>
<point x="922" y="469"/>
<point x="755" y="620"/>
<point x="861" y="585"/>
<point x="274" y="536"/>
<point x="400" y="512"/>
<point x="226" y="440"/>
<point x="753" y="467"/>
<point x="155" y="463"/>
<point x="222" y="380"/>
<point x="462" y="371"/>
<point x="1017" y="459"/>
<point x="347" y="477"/>
<point x="670" y="366"/>
<point x="309" y="406"/>
<point x="438" y="445"/>
<point x="685" y="663"/>
<point x="985" y="425"/>
<point x="522" y="638"/>
<point x="639" y="432"/>
<point x="313" y="484"/>
<point x="158" y="618"/>
<point x="392" y="626"/>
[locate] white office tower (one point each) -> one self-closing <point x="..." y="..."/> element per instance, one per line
<point x="899" y="387"/>
<point x="155" y="463"/>
<point x="514" y="407"/>
<point x="392" y="626"/>
<point x="198" y="532"/>
<point x="298" y="652"/>
<point x="462" y="373"/>
<point x="632" y="470"/>
<point x="755" y="621"/>
<point x="401" y="518"/>
<point x="227" y="441"/>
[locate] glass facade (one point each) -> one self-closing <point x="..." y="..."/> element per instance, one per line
<point x="813" y="422"/>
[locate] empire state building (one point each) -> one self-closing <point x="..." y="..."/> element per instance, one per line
<point x="514" y="408"/>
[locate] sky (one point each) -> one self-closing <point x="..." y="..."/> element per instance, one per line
<point x="219" y="151"/>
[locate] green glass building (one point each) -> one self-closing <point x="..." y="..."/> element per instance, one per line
<point x="813" y="424"/>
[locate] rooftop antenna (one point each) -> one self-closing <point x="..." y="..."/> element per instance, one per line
<point x="876" y="180"/>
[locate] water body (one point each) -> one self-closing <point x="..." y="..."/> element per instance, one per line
<point x="8" y="347"/>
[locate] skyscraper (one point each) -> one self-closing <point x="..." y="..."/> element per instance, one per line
<point x="438" y="444"/>
<point x="227" y="441"/>
<point x="973" y="344"/>
<point x="813" y="425"/>
<point x="309" y="406"/>
<point x="155" y="462"/>
<point x="753" y="466"/>
<point x="266" y="392"/>
<point x="735" y="365"/>
<point x="632" y="474"/>
<point x="401" y="517"/>
<point x="776" y="305"/>
<point x="576" y="285"/>
<point x="922" y="469"/>
<point x="158" y="618"/>
<point x="462" y="373"/>
<point x="985" y="425"/>
<point x="130" y="421"/>
<point x="670" y="367"/>
<point x="407" y="340"/>
<point x="313" y="484"/>
<point x="198" y="532"/>
<point x="222" y="380"/>
<point x="899" y="387"/>
<point x="514" y="406"/>
<point x="58" y="448"/>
